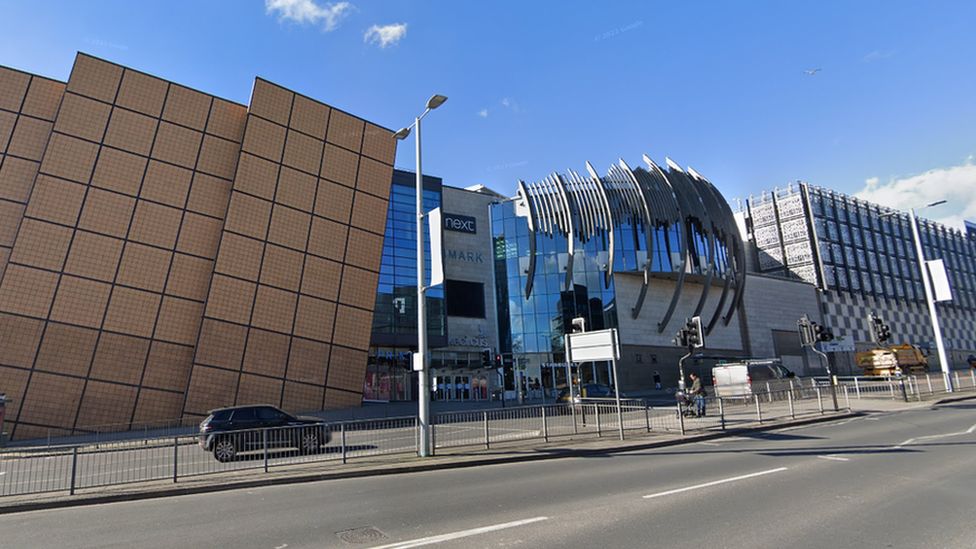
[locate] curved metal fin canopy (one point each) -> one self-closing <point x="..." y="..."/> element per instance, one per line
<point x="680" y="205"/>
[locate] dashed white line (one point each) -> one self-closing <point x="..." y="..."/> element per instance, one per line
<point x="834" y="458"/>
<point x="460" y="534"/>
<point x="715" y="482"/>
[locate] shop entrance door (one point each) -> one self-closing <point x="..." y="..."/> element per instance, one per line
<point x="457" y="388"/>
<point x="462" y="387"/>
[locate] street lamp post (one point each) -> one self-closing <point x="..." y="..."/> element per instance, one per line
<point x="423" y="382"/>
<point x="930" y="299"/>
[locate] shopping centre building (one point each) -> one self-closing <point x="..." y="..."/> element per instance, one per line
<point x="164" y="252"/>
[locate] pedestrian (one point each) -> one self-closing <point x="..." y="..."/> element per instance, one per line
<point x="972" y="361"/>
<point x="697" y="393"/>
<point x="657" y="380"/>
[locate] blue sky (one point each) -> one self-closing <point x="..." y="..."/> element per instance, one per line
<point x="542" y="86"/>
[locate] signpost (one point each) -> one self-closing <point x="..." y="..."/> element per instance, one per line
<point x="592" y="346"/>
<point x="843" y="344"/>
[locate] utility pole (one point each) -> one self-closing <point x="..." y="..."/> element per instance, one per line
<point x="930" y="299"/>
<point x="422" y="360"/>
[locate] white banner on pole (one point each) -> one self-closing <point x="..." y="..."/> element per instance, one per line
<point x="940" y="280"/>
<point x="435" y="225"/>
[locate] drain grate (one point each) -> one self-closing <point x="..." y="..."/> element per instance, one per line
<point x="358" y="536"/>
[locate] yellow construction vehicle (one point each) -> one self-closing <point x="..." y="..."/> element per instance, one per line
<point x="893" y="360"/>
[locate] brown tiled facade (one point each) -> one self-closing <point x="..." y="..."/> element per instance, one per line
<point x="164" y="252"/>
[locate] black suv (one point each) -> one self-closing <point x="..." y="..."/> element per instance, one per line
<point x="229" y="431"/>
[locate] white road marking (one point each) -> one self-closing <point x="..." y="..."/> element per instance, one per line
<point x="715" y="482"/>
<point x="282" y="546"/>
<point x="910" y="441"/>
<point x="706" y="443"/>
<point x="835" y="458"/>
<point x="461" y="534"/>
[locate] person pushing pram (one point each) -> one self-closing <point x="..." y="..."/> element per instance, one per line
<point x="691" y="402"/>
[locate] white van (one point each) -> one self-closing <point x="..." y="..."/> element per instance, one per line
<point x="748" y="377"/>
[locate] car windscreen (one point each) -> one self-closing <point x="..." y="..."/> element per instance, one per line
<point x="220" y="415"/>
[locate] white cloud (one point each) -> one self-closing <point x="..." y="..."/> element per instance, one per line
<point x="307" y="11"/>
<point x="387" y="35"/>
<point x="483" y="113"/>
<point x="877" y="55"/>
<point x="510" y="104"/>
<point x="955" y="184"/>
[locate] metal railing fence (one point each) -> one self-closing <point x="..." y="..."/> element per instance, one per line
<point x="907" y="388"/>
<point x="69" y="468"/>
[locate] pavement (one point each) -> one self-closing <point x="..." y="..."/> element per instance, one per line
<point x="896" y="477"/>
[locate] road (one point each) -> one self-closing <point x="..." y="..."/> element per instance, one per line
<point x="903" y="479"/>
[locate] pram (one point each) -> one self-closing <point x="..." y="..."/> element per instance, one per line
<point x="686" y="406"/>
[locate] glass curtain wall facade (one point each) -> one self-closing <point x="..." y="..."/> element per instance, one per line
<point x="394" y="337"/>
<point x="532" y="330"/>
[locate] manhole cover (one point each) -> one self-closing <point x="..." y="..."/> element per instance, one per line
<point x="367" y="534"/>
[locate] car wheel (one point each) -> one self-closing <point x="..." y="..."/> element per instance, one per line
<point x="309" y="442"/>
<point x="225" y="450"/>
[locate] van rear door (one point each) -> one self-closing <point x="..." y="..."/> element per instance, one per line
<point x="730" y="380"/>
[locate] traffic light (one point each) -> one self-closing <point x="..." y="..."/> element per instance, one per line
<point x="579" y="325"/>
<point x="691" y="334"/>
<point x="884" y="333"/>
<point x="696" y="336"/>
<point x="821" y="333"/>
<point x="486" y="358"/>
<point x="498" y="361"/>
<point x="880" y="331"/>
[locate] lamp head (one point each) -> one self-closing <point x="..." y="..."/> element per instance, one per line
<point x="436" y="101"/>
<point x="402" y="134"/>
